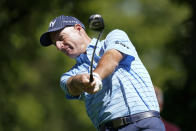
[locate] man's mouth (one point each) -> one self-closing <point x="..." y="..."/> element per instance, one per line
<point x="67" y="49"/>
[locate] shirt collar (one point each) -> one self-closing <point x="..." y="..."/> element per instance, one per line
<point x="92" y="43"/>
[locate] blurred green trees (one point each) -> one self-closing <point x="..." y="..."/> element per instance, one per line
<point x="30" y="97"/>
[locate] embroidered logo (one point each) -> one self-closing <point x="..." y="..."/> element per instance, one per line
<point x="120" y="43"/>
<point x="52" y="23"/>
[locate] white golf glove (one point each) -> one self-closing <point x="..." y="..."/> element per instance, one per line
<point x="97" y="79"/>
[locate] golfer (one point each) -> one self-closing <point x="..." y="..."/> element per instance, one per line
<point x="121" y="96"/>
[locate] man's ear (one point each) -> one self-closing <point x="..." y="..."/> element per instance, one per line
<point x="78" y="27"/>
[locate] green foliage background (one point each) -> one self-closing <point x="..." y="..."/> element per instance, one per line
<point x="30" y="97"/>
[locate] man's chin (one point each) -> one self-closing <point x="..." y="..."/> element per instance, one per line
<point x="71" y="55"/>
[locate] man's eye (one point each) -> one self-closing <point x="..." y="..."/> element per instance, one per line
<point x="61" y="38"/>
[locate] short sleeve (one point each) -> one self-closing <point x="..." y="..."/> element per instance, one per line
<point x="118" y="39"/>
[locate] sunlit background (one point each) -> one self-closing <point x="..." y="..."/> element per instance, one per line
<point x="30" y="96"/>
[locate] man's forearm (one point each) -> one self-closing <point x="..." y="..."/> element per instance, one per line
<point x="108" y="63"/>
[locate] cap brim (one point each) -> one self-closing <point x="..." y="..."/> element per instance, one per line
<point x="45" y="38"/>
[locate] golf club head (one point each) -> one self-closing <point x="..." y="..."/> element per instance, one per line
<point x="96" y="22"/>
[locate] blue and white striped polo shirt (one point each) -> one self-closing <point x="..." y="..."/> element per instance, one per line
<point x="128" y="90"/>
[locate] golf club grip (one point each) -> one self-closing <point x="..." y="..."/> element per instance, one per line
<point x="91" y="77"/>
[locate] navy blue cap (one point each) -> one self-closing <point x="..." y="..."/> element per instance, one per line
<point x="57" y="24"/>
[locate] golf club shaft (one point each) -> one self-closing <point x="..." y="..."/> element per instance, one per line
<point x="92" y="59"/>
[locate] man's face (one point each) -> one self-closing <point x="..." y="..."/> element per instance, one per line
<point x="68" y="40"/>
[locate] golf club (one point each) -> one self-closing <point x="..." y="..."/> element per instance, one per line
<point x="96" y="23"/>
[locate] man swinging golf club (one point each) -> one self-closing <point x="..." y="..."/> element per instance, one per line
<point x="119" y="96"/>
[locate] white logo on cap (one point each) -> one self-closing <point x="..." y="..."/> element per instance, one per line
<point x="52" y="23"/>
